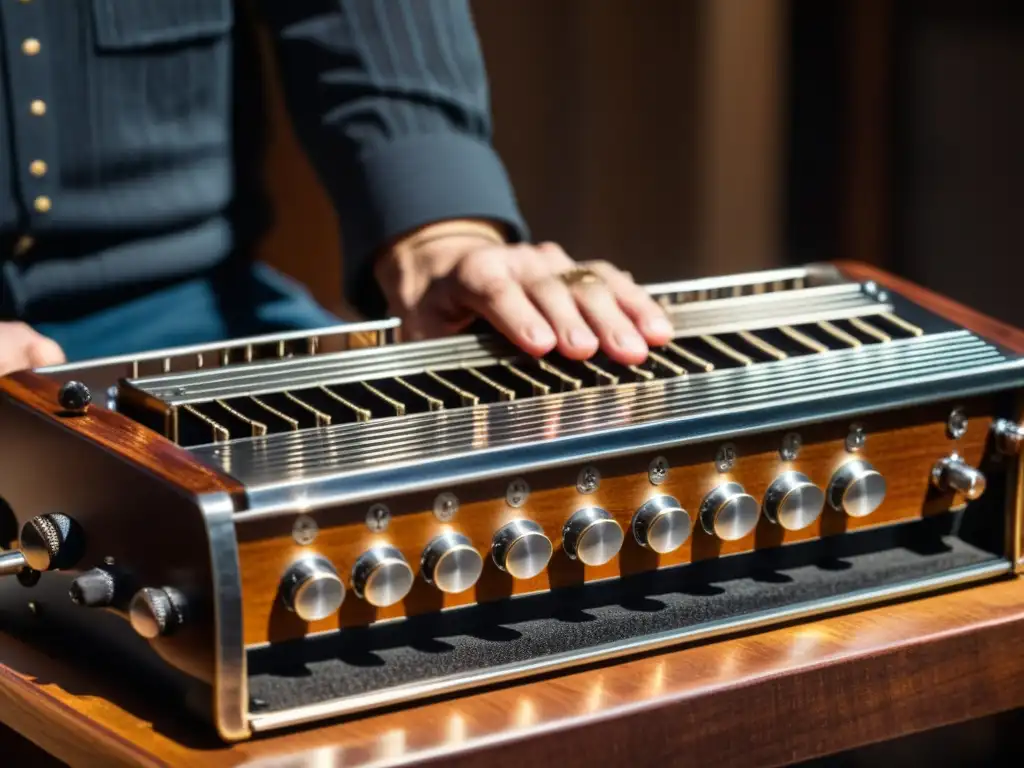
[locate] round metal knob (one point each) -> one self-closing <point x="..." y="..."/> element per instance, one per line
<point x="661" y="524"/>
<point x="157" y="612"/>
<point x="521" y="549"/>
<point x="51" y="542"/>
<point x="954" y="474"/>
<point x="729" y="512"/>
<point x="857" y="489"/>
<point x="312" y="589"/>
<point x="93" y="589"/>
<point x="74" y="396"/>
<point x="1009" y="437"/>
<point x="381" y="577"/>
<point x="592" y="536"/>
<point x="451" y="563"/>
<point x="793" y="501"/>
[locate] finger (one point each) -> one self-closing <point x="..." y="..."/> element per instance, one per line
<point x="576" y="340"/>
<point x="618" y="335"/>
<point x="484" y="282"/>
<point x="22" y="348"/>
<point x="43" y="351"/>
<point x="647" y="315"/>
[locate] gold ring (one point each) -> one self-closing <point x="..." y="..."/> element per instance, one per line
<point x="580" y="276"/>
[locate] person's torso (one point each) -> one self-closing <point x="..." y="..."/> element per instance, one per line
<point x="117" y="135"/>
<point x="117" y="113"/>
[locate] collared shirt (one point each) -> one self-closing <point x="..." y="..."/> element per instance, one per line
<point x="129" y="129"/>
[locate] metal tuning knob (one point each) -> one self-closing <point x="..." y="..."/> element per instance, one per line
<point x="312" y="589"/>
<point x="954" y="474"/>
<point x="95" y="588"/>
<point x="592" y="536"/>
<point x="661" y="524"/>
<point x="157" y="612"/>
<point x="521" y="549"/>
<point x="1009" y="437"/>
<point x="51" y="542"/>
<point x="857" y="489"/>
<point x="793" y="501"/>
<point x="451" y="563"/>
<point x="382" y="577"/>
<point x="729" y="512"/>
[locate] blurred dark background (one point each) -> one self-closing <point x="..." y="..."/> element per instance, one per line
<point x="695" y="137"/>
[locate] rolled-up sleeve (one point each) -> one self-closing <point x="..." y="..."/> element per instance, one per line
<point x="390" y="99"/>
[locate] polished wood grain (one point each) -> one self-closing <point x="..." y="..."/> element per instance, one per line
<point x="903" y="446"/>
<point x="971" y="319"/>
<point x="773" y="698"/>
<point x="118" y="434"/>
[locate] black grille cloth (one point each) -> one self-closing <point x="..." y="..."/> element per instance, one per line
<point x="367" y="659"/>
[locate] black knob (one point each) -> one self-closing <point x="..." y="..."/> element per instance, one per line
<point x="156" y="612"/>
<point x="51" y="542"/>
<point x="74" y="396"/>
<point x="93" y="589"/>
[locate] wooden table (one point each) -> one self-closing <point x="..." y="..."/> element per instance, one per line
<point x="774" y="698"/>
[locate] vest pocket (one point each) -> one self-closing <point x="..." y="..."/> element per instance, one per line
<point x="124" y="25"/>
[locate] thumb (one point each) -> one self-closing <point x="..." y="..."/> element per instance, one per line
<point x="43" y="351"/>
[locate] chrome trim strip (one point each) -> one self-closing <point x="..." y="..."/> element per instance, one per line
<point x="819" y="273"/>
<point x="574" y="414"/>
<point x="454" y="683"/>
<point x="231" y="678"/>
<point x="108" y="371"/>
<point x="294" y="493"/>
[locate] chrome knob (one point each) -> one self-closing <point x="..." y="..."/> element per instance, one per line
<point x="954" y="474"/>
<point x="661" y="524"/>
<point x="381" y="577"/>
<point x="592" y="536"/>
<point x="312" y="589"/>
<point x="451" y="563"/>
<point x="857" y="489"/>
<point x="96" y="588"/>
<point x="793" y="501"/>
<point x="729" y="512"/>
<point x="157" y="612"/>
<point x="1009" y="437"/>
<point x="521" y="549"/>
<point x="51" y="542"/>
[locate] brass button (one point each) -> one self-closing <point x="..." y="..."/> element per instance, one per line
<point x="43" y="204"/>
<point x="30" y="47"/>
<point x="38" y="107"/>
<point x="23" y="245"/>
<point x="37" y="168"/>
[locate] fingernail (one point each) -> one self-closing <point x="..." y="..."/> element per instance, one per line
<point x="581" y="338"/>
<point x="631" y="342"/>
<point x="659" y="326"/>
<point x="540" y="335"/>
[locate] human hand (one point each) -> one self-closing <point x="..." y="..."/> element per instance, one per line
<point x="445" y="276"/>
<point x="21" y="348"/>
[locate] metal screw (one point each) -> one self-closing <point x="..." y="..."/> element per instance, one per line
<point x="445" y="506"/>
<point x="882" y="296"/>
<point x="588" y="480"/>
<point x="871" y="287"/>
<point x="517" y="493"/>
<point x="956" y="427"/>
<point x="856" y="440"/>
<point x="726" y="457"/>
<point x="33" y="607"/>
<point x="108" y="560"/>
<point x="305" y="530"/>
<point x="791" y="445"/>
<point x="657" y="472"/>
<point x="377" y="518"/>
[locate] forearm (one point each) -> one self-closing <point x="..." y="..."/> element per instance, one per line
<point x="390" y="98"/>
